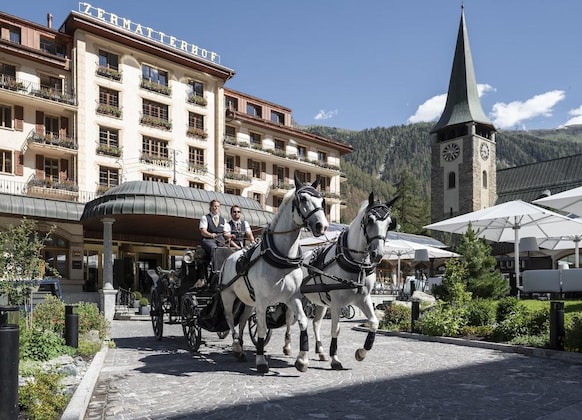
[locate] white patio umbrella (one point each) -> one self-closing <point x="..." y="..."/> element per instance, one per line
<point x="564" y="242"/>
<point x="505" y="222"/>
<point x="400" y="249"/>
<point x="569" y="201"/>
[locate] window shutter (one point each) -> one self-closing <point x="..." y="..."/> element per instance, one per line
<point x="263" y="170"/>
<point x="64" y="170"/>
<point x="40" y="167"/>
<point x="64" y="127"/>
<point x="18" y="163"/>
<point x="18" y="118"/>
<point x="39" y="122"/>
<point x="237" y="162"/>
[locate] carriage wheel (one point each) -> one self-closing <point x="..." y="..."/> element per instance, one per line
<point x="309" y="310"/>
<point x="252" y="324"/>
<point x="157" y="314"/>
<point x="222" y="334"/>
<point x="190" y="327"/>
<point x="351" y="312"/>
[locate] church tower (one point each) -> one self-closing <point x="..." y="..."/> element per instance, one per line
<point x="463" y="163"/>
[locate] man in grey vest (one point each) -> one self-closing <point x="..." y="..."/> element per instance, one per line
<point x="214" y="229"/>
<point x="241" y="233"/>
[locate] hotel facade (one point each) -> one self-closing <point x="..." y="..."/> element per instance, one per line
<point x="107" y="119"/>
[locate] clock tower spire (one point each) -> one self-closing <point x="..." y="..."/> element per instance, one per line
<point x="463" y="163"/>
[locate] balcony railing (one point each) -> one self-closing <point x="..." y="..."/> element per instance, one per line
<point x="280" y="185"/>
<point x="237" y="177"/>
<point x="163" y="161"/>
<point x="198" y="100"/>
<point x="156" y="122"/>
<point x="198" y="168"/>
<point x="109" y="110"/>
<point x="53" y="140"/>
<point x="109" y="73"/>
<point x="105" y="149"/>
<point x="26" y="87"/>
<point x="196" y="132"/>
<point x="156" y="87"/>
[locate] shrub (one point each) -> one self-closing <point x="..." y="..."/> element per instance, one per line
<point x="137" y="295"/>
<point x="397" y="318"/>
<point x="480" y="312"/>
<point x="42" y="345"/>
<point x="49" y="315"/>
<point x="43" y="397"/>
<point x="91" y="319"/>
<point x="573" y="339"/>
<point x="144" y="301"/>
<point x="540" y="341"/>
<point x="506" y="306"/>
<point x="442" y="320"/>
<point x="88" y="348"/>
<point x="514" y="324"/>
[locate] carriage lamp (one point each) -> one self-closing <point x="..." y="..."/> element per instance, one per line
<point x="188" y="257"/>
<point x="9" y="335"/>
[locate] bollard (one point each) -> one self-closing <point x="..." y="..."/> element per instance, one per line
<point x="9" y="335"/>
<point x="557" y="328"/>
<point x="415" y="314"/>
<point x="71" y="327"/>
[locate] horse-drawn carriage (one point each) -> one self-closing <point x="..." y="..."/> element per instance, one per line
<point x="190" y="295"/>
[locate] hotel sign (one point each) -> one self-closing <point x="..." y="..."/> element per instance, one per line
<point x="147" y="32"/>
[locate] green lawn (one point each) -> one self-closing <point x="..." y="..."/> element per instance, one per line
<point x="570" y="306"/>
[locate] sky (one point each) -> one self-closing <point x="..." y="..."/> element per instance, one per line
<point x="358" y="64"/>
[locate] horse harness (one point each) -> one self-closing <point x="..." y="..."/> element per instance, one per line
<point x="343" y="257"/>
<point x="269" y="251"/>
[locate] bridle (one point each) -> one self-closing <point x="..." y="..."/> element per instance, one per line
<point x="375" y="212"/>
<point x="295" y="204"/>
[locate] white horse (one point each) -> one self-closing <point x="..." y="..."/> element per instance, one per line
<point x="344" y="272"/>
<point x="270" y="271"/>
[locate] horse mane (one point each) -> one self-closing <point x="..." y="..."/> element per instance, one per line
<point x="286" y="199"/>
<point x="360" y="214"/>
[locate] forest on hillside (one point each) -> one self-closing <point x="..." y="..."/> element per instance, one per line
<point x="392" y="161"/>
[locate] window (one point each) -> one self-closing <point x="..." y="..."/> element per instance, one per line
<point x="55" y="253"/>
<point x="258" y="197"/>
<point x="324" y="184"/>
<point x="280" y="145"/>
<point x="195" y="156"/>
<point x="155" y="178"/>
<point x="5" y="116"/>
<point x="108" y="60"/>
<point x="256" y="168"/>
<point x="154" y="75"/>
<point x="233" y="191"/>
<point x="108" y="136"/>
<point x="230" y="164"/>
<point x="302" y="152"/>
<point x="6" y="161"/>
<point x="231" y="103"/>
<point x="51" y="125"/>
<point x="277" y="117"/>
<point x="155" y="109"/>
<point x="108" y="97"/>
<point x="52" y="83"/>
<point x="303" y="176"/>
<point x="195" y="88"/>
<point x="108" y="177"/>
<point x="321" y="157"/>
<point x="195" y="120"/>
<point x="14" y="34"/>
<point x="155" y="148"/>
<point x="196" y="185"/>
<point x="52" y="47"/>
<point x="484" y="179"/>
<point x="51" y="169"/>
<point x="255" y="140"/>
<point x="277" y="201"/>
<point x="8" y="71"/>
<point x="254" y="110"/>
<point x="452" y="180"/>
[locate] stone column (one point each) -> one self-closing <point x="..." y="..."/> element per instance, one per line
<point x="108" y="293"/>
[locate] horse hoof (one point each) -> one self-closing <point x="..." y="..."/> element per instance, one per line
<point x="286" y="351"/>
<point x="301" y="366"/>
<point x="336" y="366"/>
<point x="361" y="354"/>
<point x="323" y="357"/>
<point x="263" y="368"/>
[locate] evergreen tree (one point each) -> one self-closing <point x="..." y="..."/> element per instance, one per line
<point x="412" y="212"/>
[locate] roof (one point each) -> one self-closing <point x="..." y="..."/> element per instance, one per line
<point x="463" y="104"/>
<point x="23" y="205"/>
<point x="177" y="211"/>
<point x="528" y="182"/>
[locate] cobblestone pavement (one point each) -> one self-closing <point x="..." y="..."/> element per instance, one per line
<point x="401" y="378"/>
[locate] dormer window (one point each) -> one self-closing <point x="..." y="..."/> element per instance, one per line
<point x="254" y="110"/>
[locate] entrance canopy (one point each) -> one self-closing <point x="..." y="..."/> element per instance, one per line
<point x="168" y="212"/>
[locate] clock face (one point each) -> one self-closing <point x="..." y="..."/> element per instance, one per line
<point x="451" y="152"/>
<point x="484" y="151"/>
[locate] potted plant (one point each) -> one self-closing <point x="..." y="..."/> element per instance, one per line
<point x="136" y="299"/>
<point x="144" y="306"/>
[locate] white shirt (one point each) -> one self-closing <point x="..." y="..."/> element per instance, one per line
<point x="204" y="224"/>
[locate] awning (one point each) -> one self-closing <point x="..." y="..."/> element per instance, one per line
<point x="40" y="208"/>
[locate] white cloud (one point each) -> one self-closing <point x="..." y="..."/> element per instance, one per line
<point x="515" y="113"/>
<point x="577" y="117"/>
<point x="325" y="115"/>
<point x="432" y="108"/>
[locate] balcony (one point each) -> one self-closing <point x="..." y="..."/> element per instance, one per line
<point x="48" y="188"/>
<point x="196" y="132"/>
<point x="108" y="150"/>
<point x="155" y="87"/>
<point x="197" y="168"/>
<point x="61" y="141"/>
<point x="280" y="187"/>
<point x="52" y="94"/>
<point x="239" y="179"/>
<point x="109" y="110"/>
<point x="13" y="84"/>
<point x="198" y="100"/>
<point x="108" y="73"/>
<point x="160" y="123"/>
